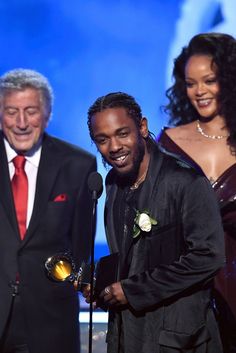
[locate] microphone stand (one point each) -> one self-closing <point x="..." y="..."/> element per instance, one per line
<point x="92" y="267"/>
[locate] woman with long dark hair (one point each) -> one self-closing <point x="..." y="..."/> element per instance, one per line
<point x="202" y="109"/>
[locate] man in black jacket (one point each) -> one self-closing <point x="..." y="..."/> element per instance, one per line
<point x="163" y="219"/>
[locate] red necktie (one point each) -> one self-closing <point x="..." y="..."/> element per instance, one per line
<point x="20" y="193"/>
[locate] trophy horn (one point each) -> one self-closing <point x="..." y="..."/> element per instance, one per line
<point x="61" y="267"/>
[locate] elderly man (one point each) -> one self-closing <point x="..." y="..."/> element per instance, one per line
<point x="45" y="209"/>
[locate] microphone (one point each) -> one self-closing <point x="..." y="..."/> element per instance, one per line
<point x="61" y="267"/>
<point x="95" y="185"/>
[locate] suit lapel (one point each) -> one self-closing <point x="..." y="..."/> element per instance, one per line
<point x="6" y="197"/>
<point x="149" y="188"/>
<point x="109" y="217"/>
<point x="49" y="165"/>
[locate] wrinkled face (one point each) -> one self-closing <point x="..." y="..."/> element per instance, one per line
<point x="202" y="85"/>
<point x="23" y="118"/>
<point x="119" y="140"/>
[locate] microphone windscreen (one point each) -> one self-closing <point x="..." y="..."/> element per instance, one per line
<point x="95" y="183"/>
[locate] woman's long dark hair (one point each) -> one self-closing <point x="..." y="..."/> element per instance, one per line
<point x="222" y="48"/>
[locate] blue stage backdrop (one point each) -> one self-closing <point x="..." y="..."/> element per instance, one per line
<point x="89" y="48"/>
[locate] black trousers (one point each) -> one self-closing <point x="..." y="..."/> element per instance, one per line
<point x="14" y="337"/>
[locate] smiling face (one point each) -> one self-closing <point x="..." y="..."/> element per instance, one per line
<point x="120" y="141"/>
<point x="23" y="118"/>
<point x="202" y="85"/>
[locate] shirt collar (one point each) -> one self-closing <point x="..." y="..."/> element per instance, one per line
<point x="33" y="159"/>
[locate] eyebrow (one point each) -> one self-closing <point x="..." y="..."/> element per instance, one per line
<point x="116" y="131"/>
<point x="14" y="107"/>
<point x="205" y="76"/>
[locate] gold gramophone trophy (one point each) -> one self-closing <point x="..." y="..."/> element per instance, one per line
<point x="61" y="267"/>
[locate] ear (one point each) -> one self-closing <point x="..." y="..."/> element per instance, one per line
<point x="144" y="127"/>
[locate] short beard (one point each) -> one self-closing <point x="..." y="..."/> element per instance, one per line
<point x="130" y="177"/>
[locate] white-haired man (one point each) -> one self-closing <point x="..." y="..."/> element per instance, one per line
<point x="44" y="209"/>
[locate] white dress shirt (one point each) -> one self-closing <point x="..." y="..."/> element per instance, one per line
<point x="31" y="169"/>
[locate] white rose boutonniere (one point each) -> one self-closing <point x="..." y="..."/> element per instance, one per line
<point x="142" y="222"/>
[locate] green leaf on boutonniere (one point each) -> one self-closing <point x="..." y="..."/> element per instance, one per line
<point x="136" y="231"/>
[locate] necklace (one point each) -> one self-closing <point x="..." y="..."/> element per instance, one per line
<point x="213" y="137"/>
<point x="138" y="182"/>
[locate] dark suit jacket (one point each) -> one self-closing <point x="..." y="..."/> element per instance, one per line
<point x="171" y="267"/>
<point x="50" y="309"/>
